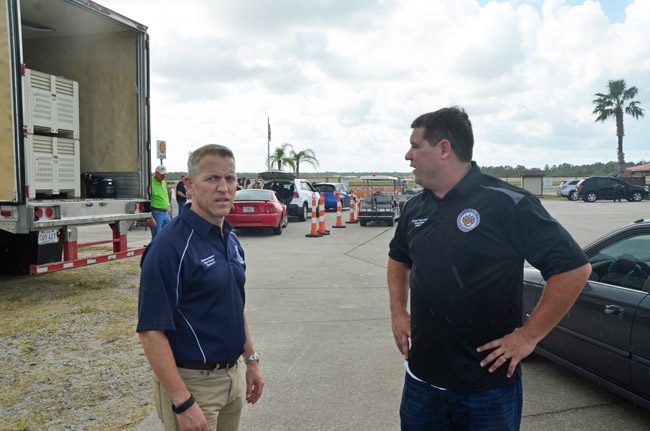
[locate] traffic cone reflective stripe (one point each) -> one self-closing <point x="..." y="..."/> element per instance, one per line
<point x="314" y="220"/>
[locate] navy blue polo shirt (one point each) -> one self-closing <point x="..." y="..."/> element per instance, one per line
<point x="192" y="288"/>
<point x="466" y="253"/>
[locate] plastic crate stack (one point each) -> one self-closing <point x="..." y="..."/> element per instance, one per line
<point x="51" y="115"/>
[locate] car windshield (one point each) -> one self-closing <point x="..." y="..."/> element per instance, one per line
<point x="254" y="195"/>
<point x="327" y="188"/>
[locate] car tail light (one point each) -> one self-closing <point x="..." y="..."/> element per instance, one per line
<point x="296" y="195"/>
<point x="269" y="208"/>
<point x="581" y="187"/>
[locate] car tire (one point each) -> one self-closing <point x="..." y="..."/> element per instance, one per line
<point x="302" y="215"/>
<point x="362" y="222"/>
<point x="285" y="220"/>
<point x="636" y="197"/>
<point x="278" y="229"/>
<point x="591" y="197"/>
<point x="573" y="195"/>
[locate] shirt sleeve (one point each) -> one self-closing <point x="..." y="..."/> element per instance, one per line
<point x="542" y="241"/>
<point x="399" y="248"/>
<point x="158" y="288"/>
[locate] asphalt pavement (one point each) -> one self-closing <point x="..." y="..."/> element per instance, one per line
<point x="318" y="311"/>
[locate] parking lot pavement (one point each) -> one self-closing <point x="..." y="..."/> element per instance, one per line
<point x="318" y="310"/>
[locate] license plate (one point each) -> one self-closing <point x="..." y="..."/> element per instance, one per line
<point x="248" y="209"/>
<point x="48" y="237"/>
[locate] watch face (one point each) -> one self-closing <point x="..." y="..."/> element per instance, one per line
<point x="253" y="358"/>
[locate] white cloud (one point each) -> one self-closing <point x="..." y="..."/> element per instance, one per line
<point x="347" y="78"/>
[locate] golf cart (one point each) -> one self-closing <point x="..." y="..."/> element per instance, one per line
<point x="382" y="203"/>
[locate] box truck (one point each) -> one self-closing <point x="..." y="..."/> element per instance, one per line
<point x="74" y="131"/>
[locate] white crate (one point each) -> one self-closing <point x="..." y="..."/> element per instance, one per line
<point x="51" y="104"/>
<point x="52" y="166"/>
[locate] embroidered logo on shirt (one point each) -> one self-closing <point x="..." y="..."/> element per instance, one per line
<point x="468" y="219"/>
<point x="208" y="261"/>
<point x="419" y="221"/>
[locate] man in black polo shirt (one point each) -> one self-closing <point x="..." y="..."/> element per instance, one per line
<point x="191" y="319"/>
<point x="459" y="249"/>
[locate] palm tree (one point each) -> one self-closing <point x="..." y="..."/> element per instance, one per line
<point x="281" y="156"/>
<point x="612" y="105"/>
<point x="307" y="156"/>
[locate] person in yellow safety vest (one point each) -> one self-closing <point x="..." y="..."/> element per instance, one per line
<point x="160" y="202"/>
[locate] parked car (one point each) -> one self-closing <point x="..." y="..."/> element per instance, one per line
<point x="258" y="208"/>
<point x="569" y="189"/>
<point x="330" y="198"/>
<point x="593" y="188"/>
<point x="295" y="193"/>
<point x="605" y="337"/>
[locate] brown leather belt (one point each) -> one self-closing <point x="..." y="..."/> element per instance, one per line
<point x="208" y="366"/>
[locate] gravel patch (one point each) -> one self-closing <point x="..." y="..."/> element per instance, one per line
<point x="69" y="351"/>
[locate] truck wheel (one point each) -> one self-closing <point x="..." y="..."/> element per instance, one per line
<point x="302" y="216"/>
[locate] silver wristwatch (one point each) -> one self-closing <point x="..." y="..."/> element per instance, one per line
<point x="252" y="358"/>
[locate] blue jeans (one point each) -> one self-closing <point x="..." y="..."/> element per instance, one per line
<point x="427" y="408"/>
<point x="162" y="219"/>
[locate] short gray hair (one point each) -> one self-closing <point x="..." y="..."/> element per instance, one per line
<point x="207" y="150"/>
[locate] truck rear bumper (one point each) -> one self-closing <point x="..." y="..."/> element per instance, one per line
<point x="39" y="215"/>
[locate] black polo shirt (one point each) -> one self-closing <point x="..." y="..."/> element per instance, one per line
<point x="466" y="253"/>
<point x="192" y="288"/>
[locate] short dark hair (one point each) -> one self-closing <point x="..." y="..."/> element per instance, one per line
<point x="207" y="150"/>
<point x="450" y="123"/>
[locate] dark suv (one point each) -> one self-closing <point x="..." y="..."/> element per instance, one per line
<point x="593" y="188"/>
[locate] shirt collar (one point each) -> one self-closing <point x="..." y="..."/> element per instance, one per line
<point x="464" y="187"/>
<point x="204" y="227"/>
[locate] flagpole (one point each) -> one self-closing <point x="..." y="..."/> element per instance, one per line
<point x="268" y="144"/>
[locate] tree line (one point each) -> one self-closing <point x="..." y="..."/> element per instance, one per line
<point x="561" y="170"/>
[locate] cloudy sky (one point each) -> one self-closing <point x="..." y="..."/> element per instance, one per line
<point x="346" y="78"/>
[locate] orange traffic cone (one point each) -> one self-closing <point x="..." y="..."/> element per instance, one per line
<point x="339" y="221"/>
<point x="353" y="205"/>
<point x="314" y="220"/>
<point x="322" y="229"/>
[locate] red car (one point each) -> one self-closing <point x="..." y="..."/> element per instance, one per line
<point x="258" y="208"/>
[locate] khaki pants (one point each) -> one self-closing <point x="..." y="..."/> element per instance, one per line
<point x="218" y="393"/>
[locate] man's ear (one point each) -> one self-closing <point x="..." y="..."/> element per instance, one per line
<point x="189" y="185"/>
<point x="445" y="149"/>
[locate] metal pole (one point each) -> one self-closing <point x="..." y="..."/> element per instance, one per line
<point x="268" y="144"/>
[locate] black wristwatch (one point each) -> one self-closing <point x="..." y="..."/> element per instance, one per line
<point x="184" y="406"/>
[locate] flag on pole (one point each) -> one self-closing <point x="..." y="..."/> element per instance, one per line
<point x="268" y="144"/>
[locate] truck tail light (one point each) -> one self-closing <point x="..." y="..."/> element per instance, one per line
<point x="45" y="213"/>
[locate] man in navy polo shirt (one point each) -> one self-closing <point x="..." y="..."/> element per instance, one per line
<point x="459" y="251"/>
<point x="191" y="319"/>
